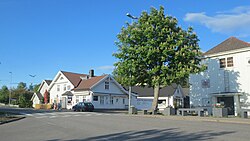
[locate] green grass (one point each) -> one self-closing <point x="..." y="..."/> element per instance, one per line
<point x="4" y="116"/>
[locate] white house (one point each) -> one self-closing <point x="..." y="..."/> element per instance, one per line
<point x="103" y="91"/>
<point x="226" y="79"/>
<point x="38" y="97"/>
<point x="170" y="96"/>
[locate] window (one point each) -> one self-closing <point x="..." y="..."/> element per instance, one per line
<point x="111" y="100"/>
<point x="58" y="88"/>
<point x="123" y="101"/>
<point x="61" y="78"/>
<point x="101" y="99"/>
<point x="69" y="99"/>
<point x="95" y="98"/>
<point x="222" y="63"/>
<point x="117" y="100"/>
<point x="230" y="62"/>
<point x="107" y="100"/>
<point x="84" y="99"/>
<point x="64" y="87"/>
<point x="106" y="85"/>
<point x="205" y="83"/>
<point x="68" y="88"/>
<point x="77" y="99"/>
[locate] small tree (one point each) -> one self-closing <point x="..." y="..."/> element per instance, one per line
<point x="157" y="52"/>
<point x="4" y="94"/>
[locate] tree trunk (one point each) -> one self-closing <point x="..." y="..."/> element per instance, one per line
<point x="156" y="96"/>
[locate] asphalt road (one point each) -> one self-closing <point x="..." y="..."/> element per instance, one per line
<point x="53" y="126"/>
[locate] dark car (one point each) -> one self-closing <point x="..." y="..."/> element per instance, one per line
<point x="83" y="106"/>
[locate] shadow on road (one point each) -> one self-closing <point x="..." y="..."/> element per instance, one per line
<point x="156" y="134"/>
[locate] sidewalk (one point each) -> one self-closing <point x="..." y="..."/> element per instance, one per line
<point x="236" y="120"/>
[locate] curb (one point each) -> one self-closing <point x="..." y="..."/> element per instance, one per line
<point x="12" y="120"/>
<point x="237" y="121"/>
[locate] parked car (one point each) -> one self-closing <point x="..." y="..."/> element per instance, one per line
<point x="83" y="106"/>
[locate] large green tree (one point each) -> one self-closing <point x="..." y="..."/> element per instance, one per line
<point x="156" y="52"/>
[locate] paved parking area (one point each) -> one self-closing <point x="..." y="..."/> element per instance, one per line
<point x="68" y="125"/>
<point x="107" y="126"/>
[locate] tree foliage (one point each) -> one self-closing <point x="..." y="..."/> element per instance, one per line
<point x="19" y="95"/>
<point x="157" y="52"/>
<point x="4" y="95"/>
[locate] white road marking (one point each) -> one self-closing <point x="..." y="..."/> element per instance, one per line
<point x="67" y="114"/>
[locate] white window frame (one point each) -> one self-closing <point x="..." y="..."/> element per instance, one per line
<point x="77" y="99"/>
<point x="64" y="87"/>
<point x="102" y="100"/>
<point x="58" y="88"/>
<point x="106" y="85"/>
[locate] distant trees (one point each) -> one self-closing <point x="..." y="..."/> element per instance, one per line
<point x="19" y="95"/>
<point x="4" y="94"/>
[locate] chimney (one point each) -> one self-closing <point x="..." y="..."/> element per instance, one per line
<point x="91" y="73"/>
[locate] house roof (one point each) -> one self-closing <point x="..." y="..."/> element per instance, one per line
<point x="185" y="91"/>
<point x="149" y="92"/>
<point x="74" y="78"/>
<point x="39" y="95"/>
<point x="48" y="82"/>
<point x="88" y="83"/>
<point x="67" y="93"/>
<point x="229" y="44"/>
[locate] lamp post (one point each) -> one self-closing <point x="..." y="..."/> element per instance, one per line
<point x="10" y="87"/>
<point x="130" y="87"/>
<point x="31" y="85"/>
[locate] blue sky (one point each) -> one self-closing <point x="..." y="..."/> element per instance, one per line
<point x="42" y="37"/>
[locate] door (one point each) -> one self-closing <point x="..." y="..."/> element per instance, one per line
<point x="64" y="102"/>
<point x="228" y="103"/>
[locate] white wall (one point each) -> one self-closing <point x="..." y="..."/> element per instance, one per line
<point x="113" y="88"/>
<point x="44" y="88"/>
<point x="145" y="103"/>
<point x="107" y="101"/>
<point x="36" y="101"/>
<point x="99" y="90"/>
<point x="239" y="79"/>
<point x="61" y="81"/>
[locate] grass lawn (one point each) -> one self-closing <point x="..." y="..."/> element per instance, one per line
<point x="6" y="117"/>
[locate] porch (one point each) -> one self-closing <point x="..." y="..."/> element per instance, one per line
<point x="229" y="100"/>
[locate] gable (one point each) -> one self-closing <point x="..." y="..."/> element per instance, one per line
<point x="229" y="44"/>
<point x="74" y="78"/>
<point x="111" y="84"/>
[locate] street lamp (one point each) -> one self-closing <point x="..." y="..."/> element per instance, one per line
<point x="10" y="87"/>
<point x="130" y="88"/>
<point x="31" y="86"/>
<point x="132" y="17"/>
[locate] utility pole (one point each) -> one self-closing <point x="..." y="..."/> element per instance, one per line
<point x="10" y="87"/>
<point x="130" y="87"/>
<point x="33" y="76"/>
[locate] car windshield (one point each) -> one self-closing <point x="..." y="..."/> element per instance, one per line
<point x="88" y="104"/>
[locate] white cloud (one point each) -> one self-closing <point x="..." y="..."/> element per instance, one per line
<point x="234" y="21"/>
<point x="105" y="68"/>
